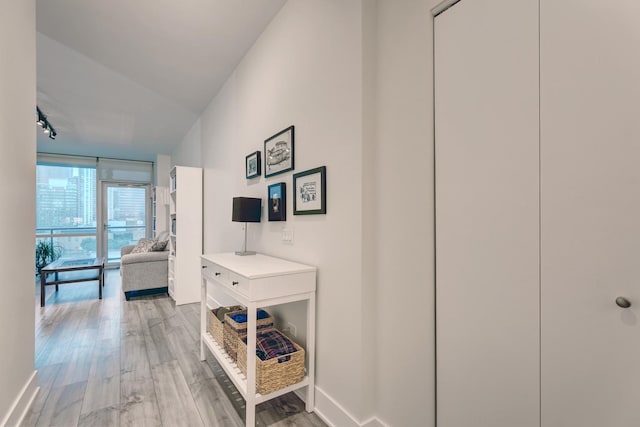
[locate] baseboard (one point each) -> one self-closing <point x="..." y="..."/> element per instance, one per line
<point x="333" y="414"/>
<point x="374" y="422"/>
<point x="23" y="402"/>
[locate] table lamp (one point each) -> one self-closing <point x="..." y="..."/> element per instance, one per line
<point x="246" y="209"/>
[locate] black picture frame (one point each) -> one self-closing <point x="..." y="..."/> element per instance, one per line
<point x="310" y="192"/>
<point x="277" y="198"/>
<point x="253" y="165"/>
<point x="279" y="152"/>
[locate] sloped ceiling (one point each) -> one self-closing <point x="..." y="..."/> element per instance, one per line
<point x="127" y="79"/>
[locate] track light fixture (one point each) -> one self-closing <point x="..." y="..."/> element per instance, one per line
<point x="45" y="125"/>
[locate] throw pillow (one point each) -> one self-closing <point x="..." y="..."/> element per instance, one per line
<point x="143" y="246"/>
<point x="159" y="245"/>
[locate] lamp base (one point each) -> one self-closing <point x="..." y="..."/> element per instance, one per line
<point x="243" y="253"/>
<point x="244" y="250"/>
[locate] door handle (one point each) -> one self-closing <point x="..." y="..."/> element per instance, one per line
<point x="622" y="302"/>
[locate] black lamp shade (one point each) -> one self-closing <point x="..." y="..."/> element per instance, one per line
<point x="246" y="209"/>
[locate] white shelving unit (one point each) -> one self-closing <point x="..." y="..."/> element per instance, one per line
<point x="185" y="227"/>
<point x="159" y="203"/>
<point x="258" y="281"/>
<point x="154" y="206"/>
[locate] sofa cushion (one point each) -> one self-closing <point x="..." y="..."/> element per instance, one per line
<point x="144" y="245"/>
<point x="147" y="257"/>
<point x="159" y="245"/>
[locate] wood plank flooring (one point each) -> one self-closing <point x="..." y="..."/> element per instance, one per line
<point x="113" y="362"/>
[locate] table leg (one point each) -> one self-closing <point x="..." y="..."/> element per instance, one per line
<point x="311" y="352"/>
<point x="100" y="280"/>
<point x="43" y="280"/>
<point x="250" y="418"/>
<point x="203" y="315"/>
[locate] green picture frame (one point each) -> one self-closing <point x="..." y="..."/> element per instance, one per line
<point x="310" y="192"/>
<point x="279" y="152"/>
<point x="253" y="165"/>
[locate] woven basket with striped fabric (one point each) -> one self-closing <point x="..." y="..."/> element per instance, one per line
<point x="274" y="374"/>
<point x="234" y="331"/>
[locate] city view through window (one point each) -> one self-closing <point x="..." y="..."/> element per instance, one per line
<point x="66" y="207"/>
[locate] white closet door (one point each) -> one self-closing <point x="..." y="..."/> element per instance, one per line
<point x="590" y="195"/>
<point x="487" y="216"/>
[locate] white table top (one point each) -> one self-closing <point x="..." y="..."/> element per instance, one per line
<point x="257" y="266"/>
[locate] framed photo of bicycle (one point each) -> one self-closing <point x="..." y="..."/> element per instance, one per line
<point x="278" y="152"/>
<point x="310" y="192"/>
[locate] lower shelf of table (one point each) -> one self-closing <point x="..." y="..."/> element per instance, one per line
<point x="236" y="375"/>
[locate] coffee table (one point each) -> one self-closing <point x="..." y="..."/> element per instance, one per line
<point x="71" y="271"/>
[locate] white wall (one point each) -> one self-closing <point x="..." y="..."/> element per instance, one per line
<point x="355" y="79"/>
<point x="17" y="173"/>
<point x="369" y="239"/>
<point x="302" y="71"/>
<point x="405" y="240"/>
<point x="163" y="166"/>
<point x="189" y="150"/>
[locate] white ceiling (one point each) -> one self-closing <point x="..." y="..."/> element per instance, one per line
<point x="127" y="79"/>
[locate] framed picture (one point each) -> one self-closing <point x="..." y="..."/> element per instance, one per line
<point x="252" y="165"/>
<point x="278" y="153"/>
<point x="310" y="192"/>
<point x="277" y="196"/>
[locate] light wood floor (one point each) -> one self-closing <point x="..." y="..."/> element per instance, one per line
<point x="113" y="362"/>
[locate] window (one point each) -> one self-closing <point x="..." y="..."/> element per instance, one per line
<point x="74" y="194"/>
<point x="66" y="208"/>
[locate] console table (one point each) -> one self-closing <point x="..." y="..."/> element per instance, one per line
<point x="258" y="281"/>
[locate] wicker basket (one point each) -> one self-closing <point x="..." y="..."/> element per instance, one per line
<point x="215" y="325"/>
<point x="274" y="374"/>
<point x="234" y="331"/>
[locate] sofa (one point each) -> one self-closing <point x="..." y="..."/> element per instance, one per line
<point x="145" y="268"/>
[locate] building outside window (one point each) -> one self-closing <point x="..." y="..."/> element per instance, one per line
<point x="66" y="209"/>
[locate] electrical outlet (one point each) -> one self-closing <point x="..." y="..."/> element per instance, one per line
<point x="293" y="330"/>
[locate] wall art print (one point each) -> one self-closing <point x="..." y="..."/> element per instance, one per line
<point x="277" y="197"/>
<point x="252" y="165"/>
<point x="278" y="152"/>
<point x="310" y="192"/>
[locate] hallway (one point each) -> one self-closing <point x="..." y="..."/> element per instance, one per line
<point x="113" y="362"/>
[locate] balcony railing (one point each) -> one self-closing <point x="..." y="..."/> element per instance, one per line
<point x="81" y="242"/>
<point x="75" y="242"/>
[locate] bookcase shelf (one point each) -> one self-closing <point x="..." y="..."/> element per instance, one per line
<point x="185" y="226"/>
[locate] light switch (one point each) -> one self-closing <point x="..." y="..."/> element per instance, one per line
<point x="287" y="236"/>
